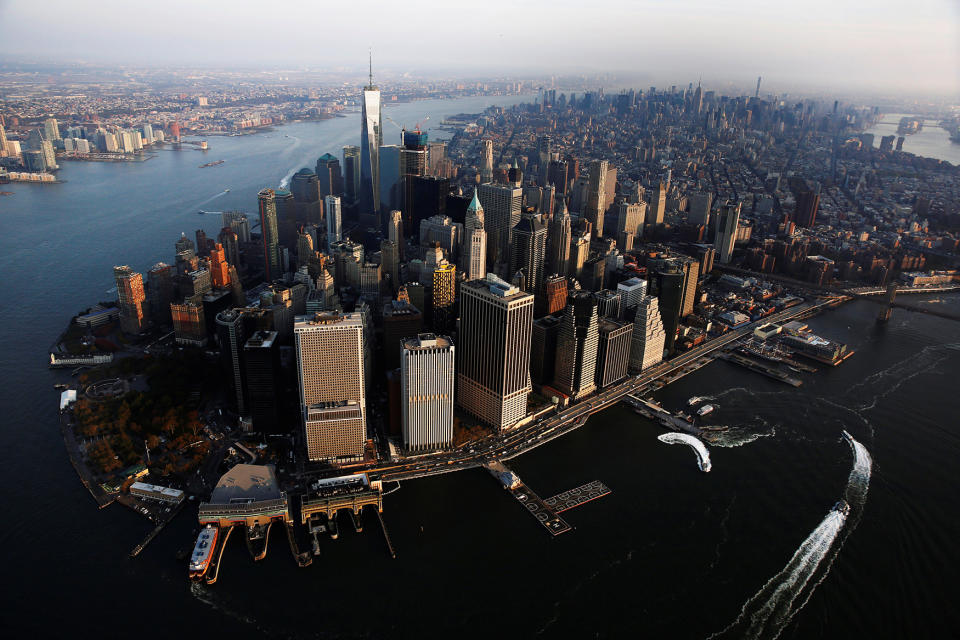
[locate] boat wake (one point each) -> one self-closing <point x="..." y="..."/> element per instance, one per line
<point x="703" y="456"/>
<point x="770" y="610"/>
<point x="732" y="437"/>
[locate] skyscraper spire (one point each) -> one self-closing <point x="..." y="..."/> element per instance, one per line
<point x="371" y="67"/>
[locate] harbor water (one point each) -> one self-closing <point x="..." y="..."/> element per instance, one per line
<point x="752" y="548"/>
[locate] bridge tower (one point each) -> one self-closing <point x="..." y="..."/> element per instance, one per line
<point x="887" y="309"/>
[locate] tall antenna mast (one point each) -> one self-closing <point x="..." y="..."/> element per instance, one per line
<point x="371" y="66"/>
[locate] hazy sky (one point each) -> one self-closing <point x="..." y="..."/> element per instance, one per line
<point x="880" y="44"/>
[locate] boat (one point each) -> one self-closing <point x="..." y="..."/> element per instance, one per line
<point x="846" y="436"/>
<point x="212" y="164"/>
<point x="705" y="410"/>
<point x="61" y="386"/>
<point x="842" y="506"/>
<point x="226" y="190"/>
<point x="695" y="400"/>
<point x="203" y="551"/>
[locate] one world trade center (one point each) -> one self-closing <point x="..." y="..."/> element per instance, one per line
<point x="371" y="137"/>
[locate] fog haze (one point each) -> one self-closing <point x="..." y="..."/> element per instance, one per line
<point x="880" y="45"/>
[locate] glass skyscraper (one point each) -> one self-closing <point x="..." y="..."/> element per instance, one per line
<point x="371" y="138"/>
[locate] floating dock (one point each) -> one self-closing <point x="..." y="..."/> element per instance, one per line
<point x="544" y="513"/>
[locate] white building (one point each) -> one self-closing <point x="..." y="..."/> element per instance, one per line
<point x="646" y="349"/>
<point x="427" y="383"/>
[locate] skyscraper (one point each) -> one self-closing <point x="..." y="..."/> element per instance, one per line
<point x="805" y="214"/>
<point x="613" y="351"/>
<point x="444" y="296"/>
<point x="427" y="382"/>
<point x="371" y="137"/>
<point x="646" y="348"/>
<point x="728" y="219"/>
<point x="493" y="378"/>
<point x="160" y="292"/>
<point x="270" y="235"/>
<point x="596" y="196"/>
<point x="501" y="206"/>
<point x="331" y="374"/>
<point x="391" y="179"/>
<point x="261" y="360"/>
<point x="351" y="174"/>
<point x="334" y="215"/>
<point x="329" y="176"/>
<point x="608" y="304"/>
<point x="131" y="296"/>
<point x="630" y="220"/>
<point x="486" y="161"/>
<point x="631" y="292"/>
<point x="576" y="359"/>
<point x="474" y="256"/>
<point x="658" y="205"/>
<point x="528" y="251"/>
<point x="561" y="233"/>
<point x="699" y="208"/>
<point x="554" y="295"/>
<point x="230" y="335"/>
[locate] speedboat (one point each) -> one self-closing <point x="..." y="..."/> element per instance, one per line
<point x="705" y="409"/>
<point x="842" y="506"/>
<point x="695" y="400"/>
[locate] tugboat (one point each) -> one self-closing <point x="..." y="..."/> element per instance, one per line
<point x="705" y="410"/>
<point x="842" y="506"/>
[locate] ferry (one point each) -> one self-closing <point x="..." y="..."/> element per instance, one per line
<point x="705" y="410"/>
<point x="203" y="551"/>
<point x="695" y="400"/>
<point x="843" y="507"/>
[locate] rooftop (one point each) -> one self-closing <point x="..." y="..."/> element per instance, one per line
<point x="246" y="483"/>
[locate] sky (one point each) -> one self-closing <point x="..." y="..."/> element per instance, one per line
<point x="879" y="44"/>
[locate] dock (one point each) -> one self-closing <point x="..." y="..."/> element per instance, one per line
<point x="761" y="368"/>
<point x="386" y="534"/>
<point x="137" y="550"/>
<point x="526" y="496"/>
<point x="578" y="496"/>
<point x="252" y="537"/>
<point x="221" y="545"/>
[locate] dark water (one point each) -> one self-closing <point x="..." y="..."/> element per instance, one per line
<point x="672" y="552"/>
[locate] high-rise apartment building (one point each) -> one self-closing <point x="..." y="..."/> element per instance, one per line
<point x="493" y="378"/>
<point x="427" y="383"/>
<point x="576" y="359"/>
<point x="330" y="369"/>
<point x="728" y="220"/>
<point x="646" y="348"/>
<point x="131" y="298"/>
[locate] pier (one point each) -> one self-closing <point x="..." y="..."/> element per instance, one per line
<point x="526" y="496"/>
<point x="386" y="534"/>
<point x="221" y="545"/>
<point x="137" y="550"/>
<point x="254" y="535"/>
<point x="761" y="368"/>
<point x="578" y="496"/>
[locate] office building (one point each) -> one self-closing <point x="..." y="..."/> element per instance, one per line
<point x="529" y="247"/>
<point x="130" y="298"/>
<point x="543" y="349"/>
<point x="427" y="383"/>
<point x="596" y="203"/>
<point x="269" y="232"/>
<point x="646" y="346"/>
<point x="330" y="370"/>
<point x="493" y="378"/>
<point x="160" y="292"/>
<point x="329" y="176"/>
<point x="608" y="303"/>
<point x="239" y="223"/>
<point x="474" y="256"/>
<point x="371" y="139"/>
<point x="441" y="230"/>
<point x="391" y="178"/>
<point x="189" y="323"/>
<point x="444" y="296"/>
<point x="699" y="208"/>
<point x="613" y="351"/>
<point x="261" y="359"/>
<point x="630" y="219"/>
<point x="351" y="174"/>
<point x="553" y="295"/>
<point x="631" y="292"/>
<point x="231" y="337"/>
<point x="576" y="358"/>
<point x="501" y="207"/>
<point x="561" y="234"/>
<point x="728" y="220"/>
<point x="218" y="267"/>
<point x="805" y="214"/>
<point x="486" y="161"/>
<point x="658" y="206"/>
<point x="401" y="320"/>
<point x="426" y="197"/>
<point x="334" y="216"/>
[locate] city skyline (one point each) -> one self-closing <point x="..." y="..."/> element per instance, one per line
<point x="816" y="44"/>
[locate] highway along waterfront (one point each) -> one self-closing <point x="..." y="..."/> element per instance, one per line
<point x="670" y="551"/>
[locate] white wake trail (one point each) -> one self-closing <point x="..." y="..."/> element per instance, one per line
<point x="767" y="613"/>
<point x="703" y="456"/>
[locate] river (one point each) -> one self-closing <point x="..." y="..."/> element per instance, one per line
<point x="932" y="141"/>
<point x="672" y="552"/>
